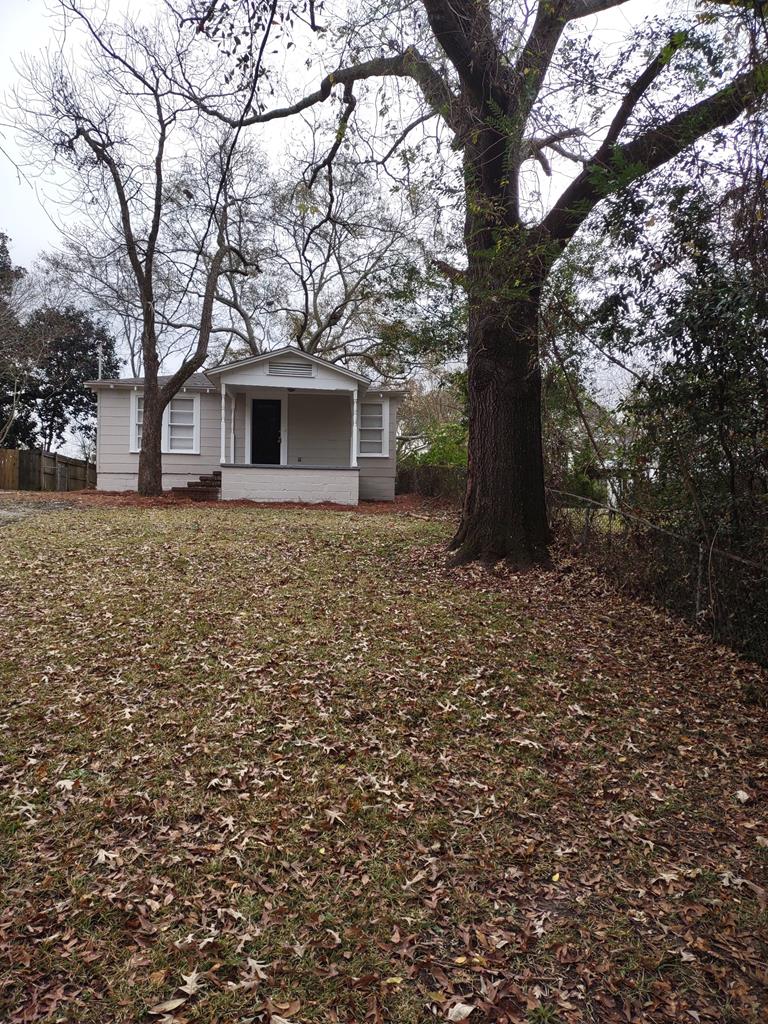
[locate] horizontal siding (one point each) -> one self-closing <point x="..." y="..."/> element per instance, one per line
<point x="120" y="464"/>
<point x="377" y="488"/>
<point x="319" y="430"/>
<point x="305" y="485"/>
<point x="318" y="434"/>
<point x="130" y="481"/>
<point x="324" y="378"/>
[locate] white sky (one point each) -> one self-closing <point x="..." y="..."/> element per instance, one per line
<point x="25" y="26"/>
<point x="25" y="212"/>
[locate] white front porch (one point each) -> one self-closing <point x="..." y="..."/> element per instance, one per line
<point x="290" y="484"/>
<point x="292" y="444"/>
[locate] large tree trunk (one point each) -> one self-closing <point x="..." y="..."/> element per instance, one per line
<point x="150" y="456"/>
<point x="155" y="397"/>
<point x="505" y="512"/>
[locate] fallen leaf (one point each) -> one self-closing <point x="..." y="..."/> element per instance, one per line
<point x="192" y="984"/>
<point x="168" y="1006"/>
<point x="459" y="1012"/>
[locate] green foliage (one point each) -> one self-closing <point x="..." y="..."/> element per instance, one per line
<point x="17" y="427"/>
<point x="573" y="465"/>
<point x="434" y="331"/>
<point x="9" y="274"/>
<point x="23" y="431"/>
<point x="55" y="389"/>
<point x="446" y="445"/>
<point x="433" y="422"/>
<point x="685" y="297"/>
<point x="46" y="356"/>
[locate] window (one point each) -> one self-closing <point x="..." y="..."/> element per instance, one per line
<point x="181" y="425"/>
<point x="374" y="425"/>
<point x="139" y="420"/>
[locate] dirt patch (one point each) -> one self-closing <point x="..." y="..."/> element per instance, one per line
<point x="13" y="507"/>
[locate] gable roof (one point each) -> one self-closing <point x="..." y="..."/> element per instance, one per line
<point x="202" y="382"/>
<point x="195" y="382"/>
<point x="286" y="350"/>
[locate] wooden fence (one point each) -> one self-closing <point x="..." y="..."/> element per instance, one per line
<point x="35" y="470"/>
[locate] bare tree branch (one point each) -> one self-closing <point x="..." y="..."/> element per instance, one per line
<point x="616" y="165"/>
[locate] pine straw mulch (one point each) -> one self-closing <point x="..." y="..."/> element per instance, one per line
<point x="413" y="504"/>
<point x="269" y="765"/>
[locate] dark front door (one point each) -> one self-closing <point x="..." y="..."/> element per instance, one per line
<point x="265" y="432"/>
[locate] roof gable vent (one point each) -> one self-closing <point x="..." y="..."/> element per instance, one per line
<point x="287" y="366"/>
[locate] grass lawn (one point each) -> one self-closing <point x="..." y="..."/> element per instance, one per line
<point x="268" y="765"/>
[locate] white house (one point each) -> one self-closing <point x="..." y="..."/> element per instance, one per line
<point x="283" y="426"/>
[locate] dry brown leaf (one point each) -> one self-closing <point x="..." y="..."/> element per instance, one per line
<point x="460" y="1011"/>
<point x="168" y="1006"/>
<point x="192" y="985"/>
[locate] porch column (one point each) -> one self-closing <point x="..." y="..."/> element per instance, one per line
<point x="353" y="439"/>
<point x="223" y="422"/>
<point x="233" y="406"/>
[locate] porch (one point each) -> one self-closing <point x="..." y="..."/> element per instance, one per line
<point x="289" y="444"/>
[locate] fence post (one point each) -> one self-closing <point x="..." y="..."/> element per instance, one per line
<point x="587" y="528"/>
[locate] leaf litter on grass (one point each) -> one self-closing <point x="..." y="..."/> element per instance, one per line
<point x="282" y="764"/>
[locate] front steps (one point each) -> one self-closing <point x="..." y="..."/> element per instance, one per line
<point x="206" y="488"/>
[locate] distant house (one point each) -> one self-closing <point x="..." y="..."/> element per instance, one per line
<point x="283" y="426"/>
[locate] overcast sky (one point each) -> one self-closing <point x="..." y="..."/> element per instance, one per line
<point x="26" y="25"/>
<point x="25" y="213"/>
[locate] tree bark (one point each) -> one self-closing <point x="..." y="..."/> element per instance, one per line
<point x="505" y="512"/>
<point x="156" y="398"/>
<point x="150" y="481"/>
<point x="150" y="458"/>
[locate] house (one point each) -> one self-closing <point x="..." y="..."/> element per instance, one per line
<point x="282" y="426"/>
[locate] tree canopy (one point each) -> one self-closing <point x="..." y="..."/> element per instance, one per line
<point x="46" y="356"/>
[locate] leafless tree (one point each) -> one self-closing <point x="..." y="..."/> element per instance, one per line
<point x="109" y="116"/>
<point x="346" y="256"/>
<point x="331" y="259"/>
<point x="93" y="270"/>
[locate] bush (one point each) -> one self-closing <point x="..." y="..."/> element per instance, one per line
<point x="446" y="446"/>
